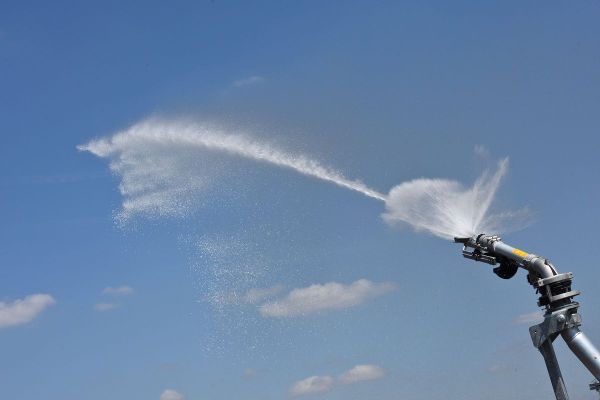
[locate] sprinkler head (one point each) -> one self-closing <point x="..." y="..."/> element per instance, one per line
<point x="473" y="249"/>
<point x="477" y="252"/>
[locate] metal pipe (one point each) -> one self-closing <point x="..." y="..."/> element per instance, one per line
<point x="581" y="346"/>
<point x="540" y="266"/>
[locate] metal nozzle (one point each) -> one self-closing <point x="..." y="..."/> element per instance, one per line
<point x="478" y="252"/>
<point x="483" y="248"/>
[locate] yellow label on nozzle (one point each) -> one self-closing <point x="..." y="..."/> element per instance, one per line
<point x="520" y="253"/>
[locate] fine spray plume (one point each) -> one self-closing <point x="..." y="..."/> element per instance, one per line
<point x="157" y="163"/>
<point x="158" y="178"/>
<point x="447" y="209"/>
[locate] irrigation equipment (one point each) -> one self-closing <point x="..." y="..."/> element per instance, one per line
<point x="556" y="296"/>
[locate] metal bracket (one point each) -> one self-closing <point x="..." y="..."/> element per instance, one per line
<point x="478" y="255"/>
<point x="558" y="283"/>
<point x="542" y="336"/>
<point x="554" y="323"/>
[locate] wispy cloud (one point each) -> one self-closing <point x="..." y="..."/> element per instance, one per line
<point x="248" y="81"/>
<point x="329" y="296"/>
<point x="114" y="291"/>
<point x="22" y="311"/>
<point x="499" y="369"/>
<point x="481" y="151"/>
<point x="312" y="385"/>
<point x="321" y="384"/>
<point x="530" y="318"/>
<point x="364" y="372"/>
<point x="105" y="306"/>
<point x="171" y="394"/>
<point x="250" y="373"/>
<point x="118" y="290"/>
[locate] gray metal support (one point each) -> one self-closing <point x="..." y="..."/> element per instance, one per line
<point x="542" y="336"/>
<point x="558" y="384"/>
<point x="581" y="346"/>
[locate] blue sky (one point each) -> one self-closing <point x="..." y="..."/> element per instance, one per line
<point x="383" y="91"/>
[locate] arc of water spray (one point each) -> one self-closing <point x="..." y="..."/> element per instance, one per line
<point x="156" y="180"/>
<point x="191" y="134"/>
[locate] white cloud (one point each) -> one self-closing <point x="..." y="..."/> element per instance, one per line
<point x="320" y="384"/>
<point x="105" y="306"/>
<point x="312" y="385"/>
<point x="118" y="290"/>
<point x="531" y="318"/>
<point x="329" y="296"/>
<point x="365" y="372"/>
<point x="171" y="394"/>
<point x="251" y="80"/>
<point x="481" y="151"/>
<point x="250" y="373"/>
<point x="499" y="369"/>
<point x="22" y="311"/>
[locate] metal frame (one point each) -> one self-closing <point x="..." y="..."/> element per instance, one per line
<point x="542" y="336"/>
<point x="561" y="317"/>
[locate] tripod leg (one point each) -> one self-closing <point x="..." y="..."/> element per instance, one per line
<point x="547" y="350"/>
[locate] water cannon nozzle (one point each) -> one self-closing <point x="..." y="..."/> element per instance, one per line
<point x="475" y="251"/>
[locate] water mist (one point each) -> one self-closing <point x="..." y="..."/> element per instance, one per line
<point x="159" y="177"/>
